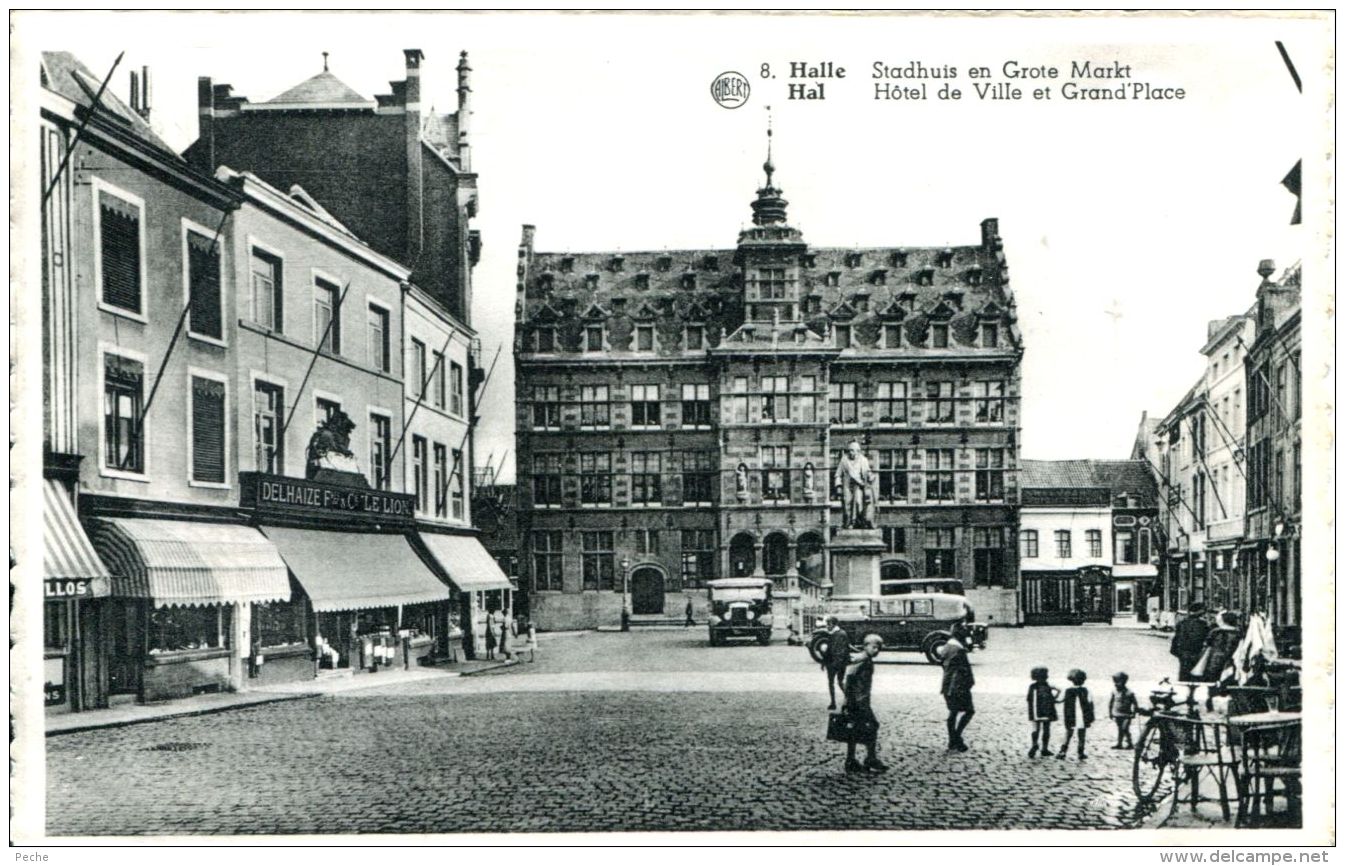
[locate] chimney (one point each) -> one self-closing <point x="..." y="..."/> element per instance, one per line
<point x="143" y="104"/>
<point x="415" y="204"/>
<point x="203" y="152"/>
<point x="464" y="111"/>
<point x="989" y="233"/>
<point x="529" y="233"/>
<point x="135" y="91"/>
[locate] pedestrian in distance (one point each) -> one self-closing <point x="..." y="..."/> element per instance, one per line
<point x="1188" y="641"/>
<point x="855" y="715"/>
<point x="691" y="610"/>
<point x="958" y="681"/>
<point x="490" y="636"/>
<point x="1041" y="701"/>
<point x="1121" y="709"/>
<point x="531" y="646"/>
<point x="508" y="636"/>
<point x="1220" y="643"/>
<point x="837" y="658"/>
<point x="1078" y="713"/>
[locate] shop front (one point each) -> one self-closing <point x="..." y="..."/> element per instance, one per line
<point x="175" y="624"/>
<point x="482" y="586"/>
<point x="74" y="584"/>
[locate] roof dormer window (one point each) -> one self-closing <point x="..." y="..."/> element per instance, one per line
<point x="854" y="260"/>
<point x="688" y="281"/>
<point x="834" y="278"/>
<point x="546" y="282"/>
<point x="946" y="259"/>
<point x="898" y="258"/>
<point x="642" y="281"/>
<point x="591" y="281"/>
<point x="567" y="265"/>
<point x="664" y="263"/>
<point x="710" y="263"/>
<point x="617" y="264"/>
<point x="924" y="277"/>
<point x="618" y="306"/>
<point x="808" y="260"/>
<point x="975" y="276"/>
<point x="878" y="277"/>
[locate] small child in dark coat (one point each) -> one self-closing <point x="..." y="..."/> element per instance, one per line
<point x="1078" y="712"/>
<point x="1121" y="709"/>
<point x="1041" y="699"/>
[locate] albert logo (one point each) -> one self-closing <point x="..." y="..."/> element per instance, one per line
<point x="730" y="89"/>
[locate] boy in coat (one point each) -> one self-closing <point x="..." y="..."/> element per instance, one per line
<point x="1041" y="699"/>
<point x="956" y="688"/>
<point x="1078" y="712"/>
<point x="1188" y="641"/>
<point x="837" y="658"/>
<point x="1121" y="709"/>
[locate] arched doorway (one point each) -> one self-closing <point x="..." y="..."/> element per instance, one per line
<point x="742" y="555"/>
<point x="775" y="553"/>
<point x="646" y="590"/>
<point x="810" y="556"/>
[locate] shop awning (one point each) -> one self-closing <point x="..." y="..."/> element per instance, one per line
<point x="179" y="562"/>
<point x="356" y="570"/>
<point x="466" y="562"/>
<point x="67" y="552"/>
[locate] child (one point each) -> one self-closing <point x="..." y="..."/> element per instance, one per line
<point x="1041" y="700"/>
<point x="1078" y="712"/>
<point x="1121" y="709"/>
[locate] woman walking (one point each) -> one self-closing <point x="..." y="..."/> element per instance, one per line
<point x="956" y="689"/>
<point x="856" y="713"/>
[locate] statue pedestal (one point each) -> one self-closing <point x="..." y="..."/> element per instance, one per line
<point x="856" y="556"/>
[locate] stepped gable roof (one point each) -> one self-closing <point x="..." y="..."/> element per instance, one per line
<point x="62" y="73"/>
<point x="323" y="90"/>
<point x="440" y="131"/>
<point x="1112" y="477"/>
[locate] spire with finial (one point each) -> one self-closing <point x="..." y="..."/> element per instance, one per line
<point x="769" y="166"/>
<point x="769" y="207"/>
<point x="324" y="61"/>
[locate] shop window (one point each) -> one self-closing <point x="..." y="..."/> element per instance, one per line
<point x="892" y="403"/>
<point x="119" y="240"/>
<point x="378" y="338"/>
<point x="56" y="626"/>
<point x="988" y="555"/>
<point x="268" y="296"/>
<point x="940" y="552"/>
<point x="177" y="629"/>
<point x="327" y="316"/>
<point x="698" y="472"/>
<point x="939" y="486"/>
<point x="990" y="474"/>
<point x="268" y="410"/>
<point x="123" y="425"/>
<point x="893" y="474"/>
<point x="278" y="623"/>
<point x="547" y="559"/>
<point x="646" y="482"/>
<point x="599" y="560"/>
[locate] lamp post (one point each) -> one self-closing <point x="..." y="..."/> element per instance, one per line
<point x="625" y="594"/>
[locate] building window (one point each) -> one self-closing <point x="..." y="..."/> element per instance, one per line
<point x="939" y="403"/>
<point x="202" y="264"/>
<point x="546" y="475"/>
<point x="207" y="430"/>
<point x="1198" y="495"/>
<point x="698" y="468"/>
<point x="988" y="402"/>
<point x="416" y="371"/>
<point x="593" y="338"/>
<point x="278" y="623"/>
<point x="892" y="336"/>
<point x="455" y="388"/>
<point x="989" y="335"/>
<point x="842" y="336"/>
<point x="594" y="410"/>
<point x="806" y="400"/>
<point x="644" y="406"/>
<point x="771" y="284"/>
<point x="1027" y="543"/>
<point x="894" y="539"/>
<point x="419" y="460"/>
<point x="379" y="336"/>
<point x="326" y="409"/>
<point x="775" y="473"/>
<point x="695" y="405"/>
<point x="545" y="407"/>
<point x="599" y="560"/>
<point x="940" y="552"/>
<point x="642" y="281"/>
<point x="1125" y="547"/>
<point x="698" y="556"/>
<point x="548" y="551"/>
<point x="268" y="413"/>
<point x="646" y="480"/>
<point x="380" y="450"/>
<point x="1282" y="389"/>
<point x="939" y="486"/>
<point x="595" y="479"/>
<point x="327" y="316"/>
<point x="987" y="555"/>
<point x="267" y="291"/>
<point x="120" y="261"/>
<point x="440" y="480"/>
<point x="546" y="339"/>
<point x="1063" y="546"/>
<point x="644" y="338"/>
<point x="175" y="629"/>
<point x="1094" y="539"/>
<point x="938" y="335"/>
<point x="646" y="542"/>
<point x="457" y="475"/>
<point x="844" y="403"/>
<point x="893" y="471"/>
<point x="990" y="474"/>
<point x="437" y="387"/>
<point x="1298" y="478"/>
<point x="774" y="398"/>
<point x="739" y="400"/>
<point x="695" y="337"/>
<point x="124" y="435"/>
<point x="892" y="402"/>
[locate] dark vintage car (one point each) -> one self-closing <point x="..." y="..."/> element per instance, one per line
<point x="911" y="615"/>
<point x="740" y="607"/>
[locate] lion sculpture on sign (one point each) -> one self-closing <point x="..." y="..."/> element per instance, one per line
<point x="329" y="448"/>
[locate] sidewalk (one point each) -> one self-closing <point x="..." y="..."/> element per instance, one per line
<point x="133" y="714"/>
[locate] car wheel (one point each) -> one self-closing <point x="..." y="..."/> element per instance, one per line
<point x="932" y="646"/>
<point x="818" y="647"/>
<point x="764" y="638"/>
<point x="714" y="639"/>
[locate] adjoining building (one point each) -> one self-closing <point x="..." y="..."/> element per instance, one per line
<point x="680" y="413"/>
<point x="1087" y="541"/>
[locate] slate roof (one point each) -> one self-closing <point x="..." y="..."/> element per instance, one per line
<point x="1131" y="477"/>
<point x="322" y="90"/>
<point x="62" y="73"/>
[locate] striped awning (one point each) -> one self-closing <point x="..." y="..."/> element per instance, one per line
<point x="356" y="570"/>
<point x="68" y="554"/>
<point x="179" y="562"/>
<point x="469" y="565"/>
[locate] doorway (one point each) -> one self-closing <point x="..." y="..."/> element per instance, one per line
<point x="646" y="589"/>
<point x="126" y="655"/>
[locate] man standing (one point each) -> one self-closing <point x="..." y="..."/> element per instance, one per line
<point x="854" y="476"/>
<point x="837" y="658"/>
<point x="1188" y="640"/>
<point x="956" y="689"/>
<point x="690" y="610"/>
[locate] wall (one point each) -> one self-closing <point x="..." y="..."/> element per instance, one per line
<point x="1078" y="520"/>
<point x="427" y="324"/>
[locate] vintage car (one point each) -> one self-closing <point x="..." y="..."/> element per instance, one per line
<point x="740" y="607"/>
<point x="910" y="615"/>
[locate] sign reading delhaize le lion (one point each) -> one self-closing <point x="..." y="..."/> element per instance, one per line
<point x="280" y="494"/>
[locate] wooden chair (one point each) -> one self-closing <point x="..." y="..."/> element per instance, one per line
<point x="1271" y="755"/>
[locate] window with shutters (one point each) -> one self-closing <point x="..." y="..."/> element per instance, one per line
<point x="207" y="431"/>
<point x="268" y="293"/>
<point x="203" y="275"/>
<point x="268" y="414"/>
<point x="121" y="263"/>
<point x="380" y="450"/>
<point x="327" y="316"/>
<point x="123" y="404"/>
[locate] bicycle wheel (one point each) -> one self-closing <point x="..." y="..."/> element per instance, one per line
<point x="1150" y="762"/>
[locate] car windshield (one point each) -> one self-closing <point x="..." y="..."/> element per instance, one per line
<point x="745" y="594"/>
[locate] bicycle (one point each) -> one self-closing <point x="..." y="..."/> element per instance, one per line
<point x="1160" y="745"/>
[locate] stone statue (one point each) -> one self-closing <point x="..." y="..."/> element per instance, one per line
<point x="329" y="447"/>
<point x="858" y="488"/>
<point x="740" y="481"/>
<point x="808" y="492"/>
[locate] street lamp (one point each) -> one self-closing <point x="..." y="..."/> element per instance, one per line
<point x="625" y="594"/>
